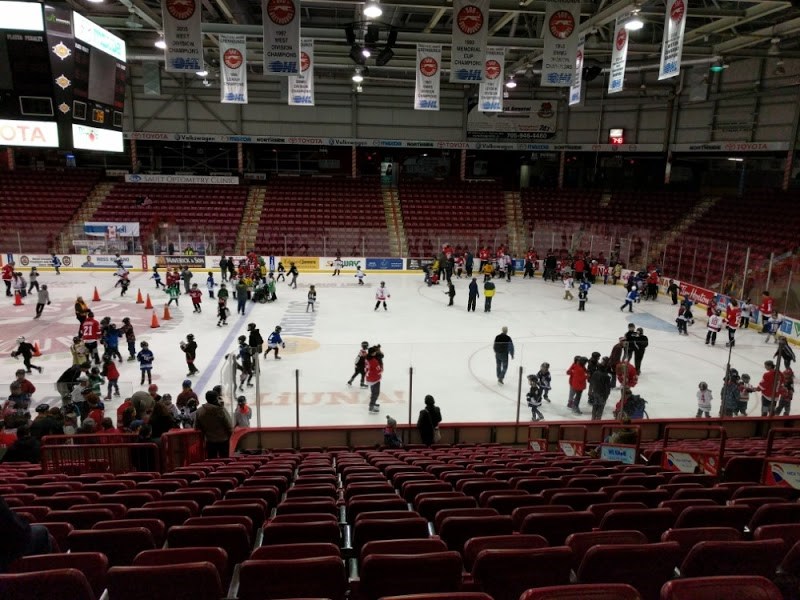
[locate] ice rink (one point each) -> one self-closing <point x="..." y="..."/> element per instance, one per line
<point x="448" y="349"/>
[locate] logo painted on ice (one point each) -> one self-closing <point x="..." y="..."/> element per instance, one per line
<point x="281" y="12"/>
<point x="561" y="24"/>
<point x="622" y="39"/>
<point x="428" y="66"/>
<point x="305" y="61"/>
<point x="492" y="69"/>
<point x="677" y="12"/>
<point x="232" y="58"/>
<point x="181" y="9"/>
<point x="470" y="19"/>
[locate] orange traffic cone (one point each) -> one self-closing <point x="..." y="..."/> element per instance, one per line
<point x="18" y="299"/>
<point x="154" y="322"/>
<point x="166" y="316"/>
<point x="36" y="350"/>
<point x="139" y="299"/>
<point x="148" y="304"/>
<point x="96" y="297"/>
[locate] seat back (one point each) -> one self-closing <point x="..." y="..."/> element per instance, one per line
<point x="445" y="513"/>
<point x="580" y="542"/>
<point x="455" y="531"/>
<point x="721" y="588"/>
<point x="774" y="514"/>
<point x="234" y="539"/>
<point x="475" y="545"/>
<point x="789" y="533"/>
<point x="169" y="515"/>
<point x="156" y="528"/>
<point x="174" y="556"/>
<point x="360" y="505"/>
<point x="605" y="591"/>
<point x="294" y="551"/>
<point x="368" y="530"/>
<point x="506" y="574"/>
<point x="93" y="565"/>
<point x="119" y="545"/>
<point x="791" y="562"/>
<point x="394" y="574"/>
<point x="404" y="546"/>
<point x="714" y="516"/>
<point x="579" y="500"/>
<point x="677" y="506"/>
<point x="687" y="538"/>
<point x="650" y="521"/>
<point x="296" y="533"/>
<point x="625" y="564"/>
<point x="428" y="507"/>
<point x="198" y="581"/>
<point x="255" y="512"/>
<point x="712" y="559"/>
<point x="555" y="527"/>
<point x="650" y="498"/>
<point x="46" y="585"/>
<point x="304" y="577"/>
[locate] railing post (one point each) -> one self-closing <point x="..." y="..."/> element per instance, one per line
<point x="410" y="400"/>
<point x="519" y="405"/>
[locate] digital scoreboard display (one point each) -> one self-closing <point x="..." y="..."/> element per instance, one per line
<point x="62" y="79"/>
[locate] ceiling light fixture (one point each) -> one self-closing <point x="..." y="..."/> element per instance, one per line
<point x="372" y="10"/>
<point x="203" y="73"/>
<point x="161" y="44"/>
<point x="357" y="76"/>
<point x="366" y="53"/>
<point x="718" y="65"/>
<point x="635" y="23"/>
<point x="511" y="84"/>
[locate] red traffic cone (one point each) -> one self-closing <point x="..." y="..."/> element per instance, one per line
<point x="96" y="297"/>
<point x="18" y="299"/>
<point x="154" y="322"/>
<point x="36" y="350"/>
<point x="148" y="304"/>
<point x="166" y="316"/>
<point x="139" y="299"/>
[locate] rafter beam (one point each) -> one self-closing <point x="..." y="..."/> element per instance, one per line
<point x="759" y="10"/>
<point x="435" y="18"/>
<point x="782" y="29"/>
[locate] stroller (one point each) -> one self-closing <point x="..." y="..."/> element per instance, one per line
<point x="261" y="294"/>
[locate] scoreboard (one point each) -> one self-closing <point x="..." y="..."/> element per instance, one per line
<point x="62" y="79"/>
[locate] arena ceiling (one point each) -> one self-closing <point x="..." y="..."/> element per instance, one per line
<point x="716" y="29"/>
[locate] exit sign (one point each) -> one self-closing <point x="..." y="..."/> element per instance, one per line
<point x="616" y="137"/>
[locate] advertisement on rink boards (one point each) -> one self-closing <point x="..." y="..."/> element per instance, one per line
<point x="783" y="473"/>
<point x="385" y="264"/>
<point x="75" y="261"/>
<point x="349" y="263"/>
<point x="212" y="262"/>
<point x="518" y="120"/>
<point x="303" y="263"/>
<point x="193" y="262"/>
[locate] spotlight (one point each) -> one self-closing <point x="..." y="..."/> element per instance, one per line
<point x="357" y="76"/>
<point x="511" y="84"/>
<point x="161" y="44"/>
<point x="384" y="56"/>
<point x="635" y="23"/>
<point x="366" y="53"/>
<point x="203" y="73"/>
<point x="372" y="10"/>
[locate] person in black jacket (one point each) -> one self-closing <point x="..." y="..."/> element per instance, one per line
<point x="25" y="449"/>
<point x="640" y="345"/>
<point x="189" y="347"/>
<point x="255" y="341"/>
<point x="20" y="538"/>
<point x="600" y="388"/>
<point x="473" y="295"/>
<point x="428" y="421"/>
<point x="44" y="423"/>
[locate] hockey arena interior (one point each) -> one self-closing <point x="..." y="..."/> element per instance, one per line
<point x="399" y="299"/>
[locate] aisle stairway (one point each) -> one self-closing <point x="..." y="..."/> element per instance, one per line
<point x="670" y="236"/>
<point x="74" y="229"/>
<point x="398" y="244"/>
<point x="517" y="236"/>
<point x="248" y="230"/>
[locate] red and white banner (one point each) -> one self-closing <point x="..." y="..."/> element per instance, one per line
<point x="281" y="37"/>
<point x="577" y="80"/>
<point x="301" y="87"/>
<point x="560" y="33"/>
<point x="182" y="34"/>
<point x="672" y="44"/>
<point x="233" y="68"/>
<point x="470" y="33"/>
<point x="429" y="72"/>
<point x="490" y="94"/>
<point x="619" y="55"/>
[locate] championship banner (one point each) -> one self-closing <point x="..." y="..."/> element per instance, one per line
<point x="619" y="56"/>
<point x="182" y="34"/>
<point x="672" y="44"/>
<point x="577" y="80"/>
<point x="560" y="33"/>
<point x="301" y="87"/>
<point x="429" y="72"/>
<point x="233" y="68"/>
<point x="490" y="94"/>
<point x="470" y="32"/>
<point x="281" y="37"/>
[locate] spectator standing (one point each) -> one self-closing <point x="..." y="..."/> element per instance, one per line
<point x="503" y="349"/>
<point x="428" y="422"/>
<point x="214" y="422"/>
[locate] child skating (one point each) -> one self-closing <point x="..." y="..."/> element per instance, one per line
<point x="42" y="299"/>
<point x="704" y="397"/>
<point x="312" y="298"/>
<point x="381" y="294"/>
<point x="197" y="297"/>
<point x="567" y="281"/>
<point x="534" y="398"/>
<point x="145" y="358"/>
<point x="715" y="323"/>
<point x="360" y="275"/>
<point x="210" y="284"/>
<point x="274" y="341"/>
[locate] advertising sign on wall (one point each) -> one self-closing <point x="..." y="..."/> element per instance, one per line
<point x="519" y="120"/>
<point x="349" y="263"/>
<point x="385" y="264"/>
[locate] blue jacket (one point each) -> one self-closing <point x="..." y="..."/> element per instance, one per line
<point x="274" y="338"/>
<point x="145" y="358"/>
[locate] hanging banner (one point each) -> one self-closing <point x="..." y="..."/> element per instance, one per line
<point x="281" y="37"/>
<point x="577" y="80"/>
<point x="490" y="95"/>
<point x="182" y="34"/>
<point x="560" y="33"/>
<point x="233" y="68"/>
<point x="429" y="72"/>
<point x="619" y="56"/>
<point x="470" y="32"/>
<point x="672" y="44"/>
<point x="301" y="87"/>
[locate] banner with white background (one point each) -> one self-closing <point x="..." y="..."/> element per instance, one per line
<point x="429" y="72"/>
<point x="619" y="55"/>
<point x="301" y="87"/>
<point x="233" y="68"/>
<point x="281" y="36"/>
<point x="672" y="44"/>
<point x="560" y="33"/>
<point x="490" y="94"/>
<point x="577" y="80"/>
<point x="470" y="33"/>
<point x="182" y="34"/>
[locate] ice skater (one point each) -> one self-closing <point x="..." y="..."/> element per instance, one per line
<point x="210" y="284"/>
<point x="145" y="358"/>
<point x="704" y="397"/>
<point x="631" y="297"/>
<point x="222" y="309"/>
<point x="360" y="275"/>
<point x="156" y="276"/>
<point x="25" y="350"/>
<point x="274" y="341"/>
<point x="381" y="294"/>
<point x="56" y="263"/>
<point x="246" y="363"/>
<point x="197" y="297"/>
<point x="534" y="398"/>
<point x="451" y="292"/>
<point x="293" y="272"/>
<point x="42" y="299"/>
<point x="715" y="322"/>
<point x="360" y="365"/>
<point x="189" y="348"/>
<point x="312" y="298"/>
